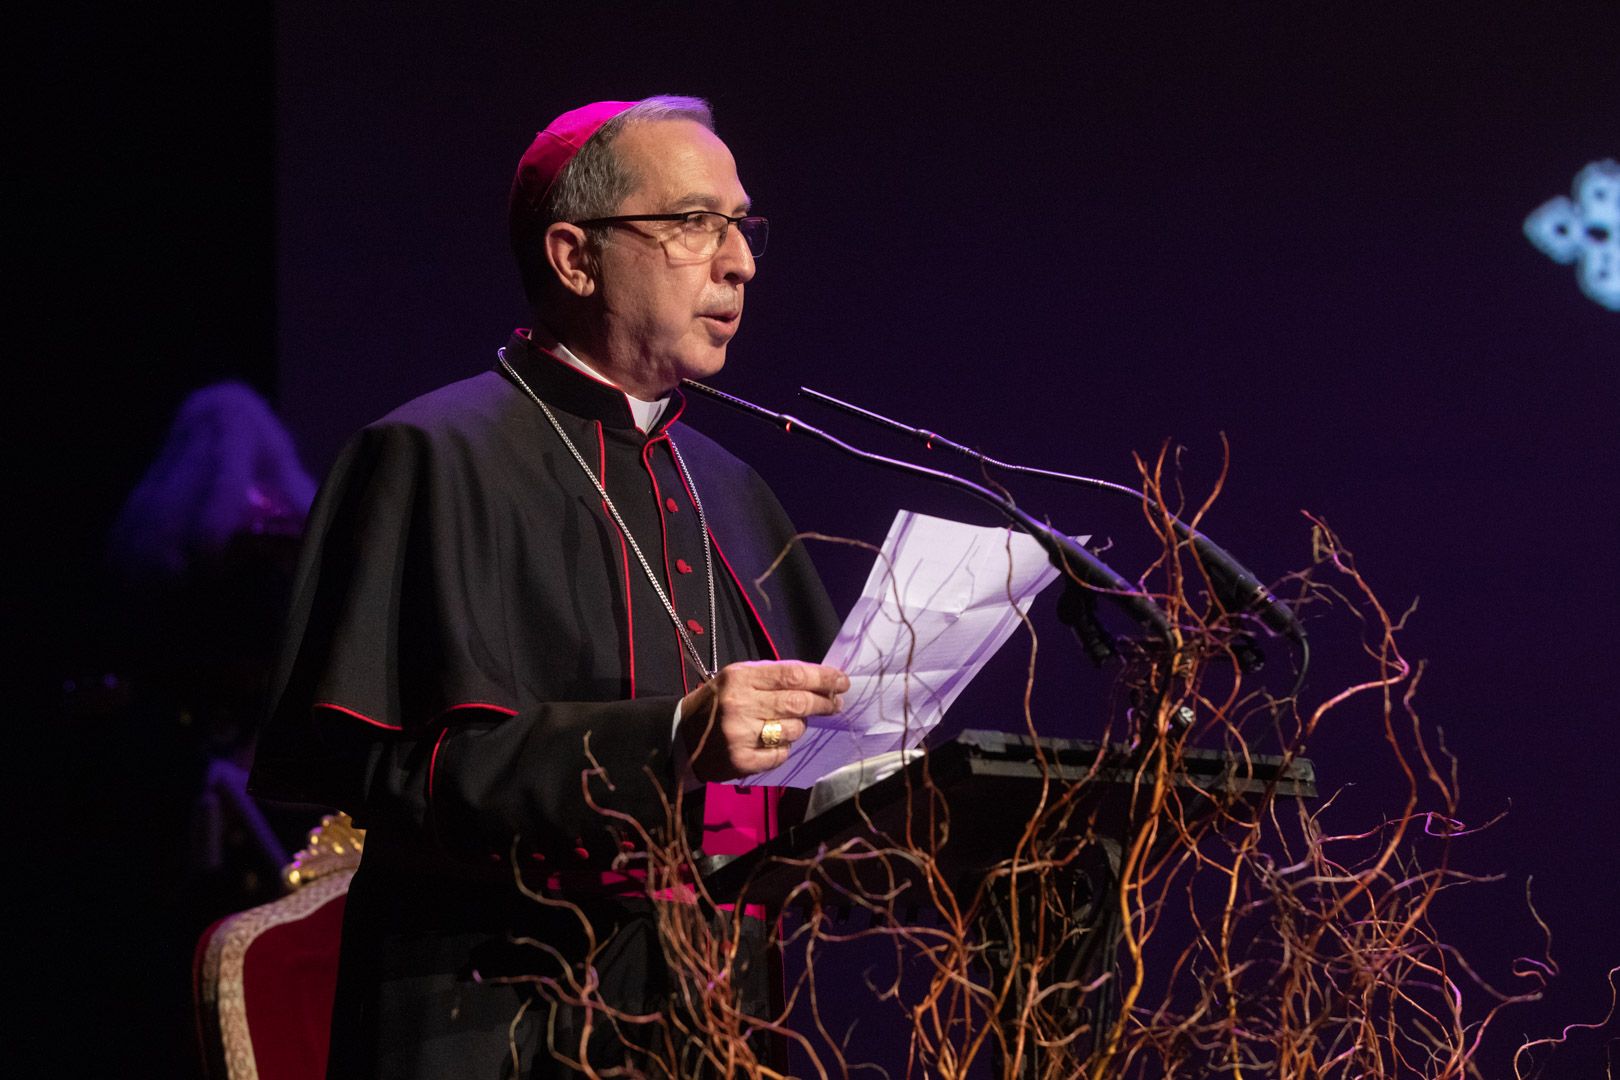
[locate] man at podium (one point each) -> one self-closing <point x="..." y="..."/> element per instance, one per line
<point x="534" y="590"/>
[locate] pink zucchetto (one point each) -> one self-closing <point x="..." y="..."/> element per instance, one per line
<point x="551" y="150"/>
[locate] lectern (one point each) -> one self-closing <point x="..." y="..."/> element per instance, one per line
<point x="968" y="802"/>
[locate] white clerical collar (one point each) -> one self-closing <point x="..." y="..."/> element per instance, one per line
<point x="645" y="413"/>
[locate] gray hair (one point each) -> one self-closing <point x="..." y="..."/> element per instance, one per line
<point x="596" y="181"/>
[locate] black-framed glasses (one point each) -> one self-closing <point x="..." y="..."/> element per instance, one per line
<point x="701" y="231"/>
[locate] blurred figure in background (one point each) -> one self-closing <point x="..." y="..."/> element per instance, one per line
<point x="152" y="824"/>
<point x="204" y="550"/>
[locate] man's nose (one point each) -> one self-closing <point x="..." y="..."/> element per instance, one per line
<point x="734" y="263"/>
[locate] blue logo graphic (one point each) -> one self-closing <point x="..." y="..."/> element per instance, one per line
<point x="1585" y="230"/>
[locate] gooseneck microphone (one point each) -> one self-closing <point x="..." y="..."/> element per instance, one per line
<point x="1235" y="587"/>
<point x="1076" y="563"/>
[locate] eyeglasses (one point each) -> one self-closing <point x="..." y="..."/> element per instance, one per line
<point x="701" y="231"/>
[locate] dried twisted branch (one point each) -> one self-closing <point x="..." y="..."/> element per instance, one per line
<point x="1148" y="920"/>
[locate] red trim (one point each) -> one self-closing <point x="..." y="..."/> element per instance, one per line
<point x="776" y="654"/>
<point x="624" y="555"/>
<point x="433" y="762"/>
<point x="502" y="709"/>
<point x="433" y="759"/>
<point x="357" y="715"/>
<point x="663" y="536"/>
<point x="672" y="411"/>
<point x="597" y="379"/>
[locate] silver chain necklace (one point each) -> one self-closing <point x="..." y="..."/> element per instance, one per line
<point x="712" y="668"/>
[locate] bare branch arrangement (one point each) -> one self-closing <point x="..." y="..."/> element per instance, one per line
<point x="1151" y="917"/>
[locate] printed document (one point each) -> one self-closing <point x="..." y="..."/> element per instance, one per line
<point x="941" y="599"/>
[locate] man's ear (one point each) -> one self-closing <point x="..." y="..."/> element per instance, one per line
<point x="571" y="258"/>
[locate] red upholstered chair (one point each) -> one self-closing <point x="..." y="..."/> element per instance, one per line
<point x="264" y="978"/>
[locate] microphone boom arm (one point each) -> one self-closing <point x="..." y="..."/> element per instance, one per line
<point x="1076" y="563"/>
<point x="1238" y="589"/>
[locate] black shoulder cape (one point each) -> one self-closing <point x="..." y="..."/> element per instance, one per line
<point x="467" y="622"/>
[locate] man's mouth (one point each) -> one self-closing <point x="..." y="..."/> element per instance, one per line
<point x="724" y="317"/>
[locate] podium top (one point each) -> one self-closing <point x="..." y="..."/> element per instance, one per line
<point x="986" y="784"/>
<point x="1074" y="759"/>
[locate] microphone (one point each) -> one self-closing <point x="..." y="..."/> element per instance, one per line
<point x="1235" y="587"/>
<point x="1076" y="563"/>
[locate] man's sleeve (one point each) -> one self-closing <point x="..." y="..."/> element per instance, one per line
<point x="393" y="697"/>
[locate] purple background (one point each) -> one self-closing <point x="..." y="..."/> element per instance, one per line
<point x="1065" y="235"/>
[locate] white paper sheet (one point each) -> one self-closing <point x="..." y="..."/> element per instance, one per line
<point x="941" y="599"/>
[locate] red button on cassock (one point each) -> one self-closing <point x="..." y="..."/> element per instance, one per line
<point x="671" y="505"/>
<point x="694" y="626"/>
<point x="683" y="566"/>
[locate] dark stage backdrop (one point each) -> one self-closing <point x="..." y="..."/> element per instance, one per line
<point x="1070" y="235"/>
<point x="1067" y="234"/>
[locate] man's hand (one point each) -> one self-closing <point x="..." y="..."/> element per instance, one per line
<point x="722" y="720"/>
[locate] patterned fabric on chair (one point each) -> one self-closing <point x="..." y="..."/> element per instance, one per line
<point x="265" y="977"/>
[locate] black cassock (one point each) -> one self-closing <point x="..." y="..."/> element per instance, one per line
<point x="468" y="625"/>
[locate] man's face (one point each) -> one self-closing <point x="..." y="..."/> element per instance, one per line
<point x="668" y="314"/>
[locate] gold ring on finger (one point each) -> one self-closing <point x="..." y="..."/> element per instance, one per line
<point x="770" y="734"/>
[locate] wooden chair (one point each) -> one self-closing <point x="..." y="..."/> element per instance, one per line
<point x="263" y="979"/>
